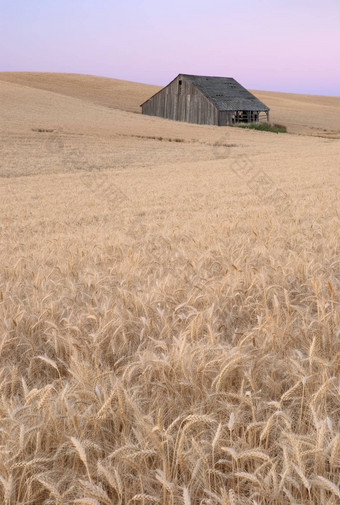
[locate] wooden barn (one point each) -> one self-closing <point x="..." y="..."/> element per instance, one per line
<point x="206" y="100"/>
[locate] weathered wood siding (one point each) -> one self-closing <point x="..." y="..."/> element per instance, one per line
<point x="182" y="102"/>
<point x="225" y="118"/>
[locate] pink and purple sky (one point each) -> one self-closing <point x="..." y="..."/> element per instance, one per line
<point x="287" y="45"/>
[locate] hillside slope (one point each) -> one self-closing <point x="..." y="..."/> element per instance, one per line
<point x="305" y="114"/>
<point x="113" y="93"/>
<point x="48" y="132"/>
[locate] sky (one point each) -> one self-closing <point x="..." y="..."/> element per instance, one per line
<point x="286" y="45"/>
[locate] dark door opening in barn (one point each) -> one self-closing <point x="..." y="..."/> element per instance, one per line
<point x="236" y="117"/>
<point x="245" y="116"/>
<point x="253" y="117"/>
<point x="240" y="116"/>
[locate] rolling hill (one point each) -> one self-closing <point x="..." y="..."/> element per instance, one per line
<point x="306" y="114"/>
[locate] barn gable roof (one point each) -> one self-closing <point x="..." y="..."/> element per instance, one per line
<point x="226" y="93"/>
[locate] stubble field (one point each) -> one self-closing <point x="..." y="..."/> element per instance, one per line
<point x="169" y="301"/>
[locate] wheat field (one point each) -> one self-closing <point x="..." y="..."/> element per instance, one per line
<point x="169" y="301"/>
